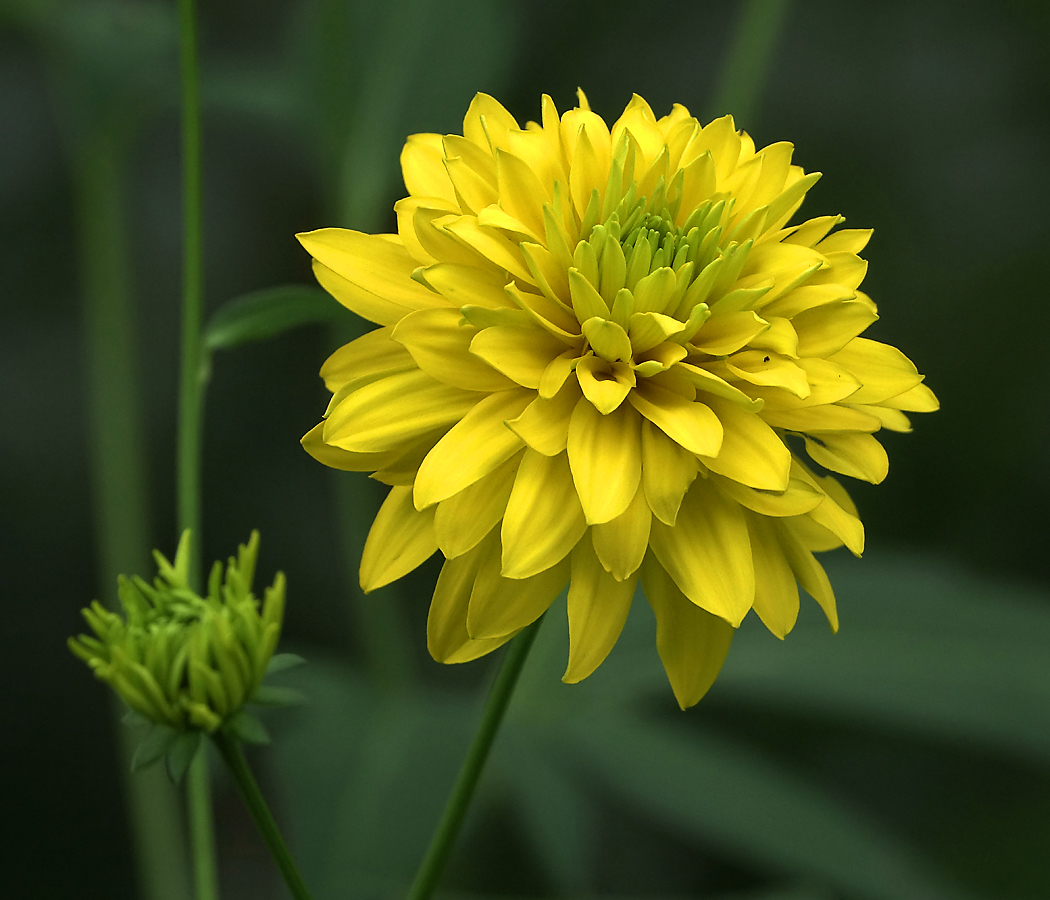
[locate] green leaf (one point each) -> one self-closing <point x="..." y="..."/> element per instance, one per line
<point x="724" y="794"/>
<point x="154" y="745"/>
<point x="281" y="661"/>
<point x="181" y="754"/>
<point x="247" y="728"/>
<point x="273" y="695"/>
<point x="267" y="313"/>
<point x="134" y="719"/>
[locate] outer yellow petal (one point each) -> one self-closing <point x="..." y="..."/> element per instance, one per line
<point x="500" y="606"/>
<point x="691" y="424"/>
<point x="385" y="414"/>
<point x="708" y="553"/>
<point x="421" y="166"/>
<point x="826" y="329"/>
<point x="858" y="455"/>
<point x="364" y="360"/>
<point x="544" y="519"/>
<point x="667" y="471"/>
<point x="313" y="443"/>
<point x="621" y="542"/>
<point x="364" y="303"/>
<point x="462" y="520"/>
<point x="809" y="572"/>
<point x="377" y="263"/>
<point x="799" y="498"/>
<point x="447" y="637"/>
<point x="468" y="285"/>
<point x="692" y="643"/>
<point x="605" y="456"/>
<point x="776" y="594"/>
<point x="598" y="607"/>
<point x="725" y="334"/>
<point x="439" y="341"/>
<point x="487" y="122"/>
<point x="883" y="370"/>
<point x="400" y="539"/>
<point x="751" y="452"/>
<point x="476" y="445"/>
<point x="919" y="399"/>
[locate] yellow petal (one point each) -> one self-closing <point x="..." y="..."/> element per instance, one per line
<point x="439" y="340"/>
<point x="313" y="443"/>
<point x="401" y="538"/>
<point x="708" y="553"/>
<point x="557" y="373"/>
<point x="751" y="452"/>
<point x="544" y="425"/>
<point x="692" y="643"/>
<point x="475" y="446"/>
<point x="667" y="471"/>
<point x="500" y="605"/>
<point x="725" y="334"/>
<point x="809" y="296"/>
<point x="846" y="269"/>
<point x="473" y="192"/>
<point x="799" y="498"/>
<point x="605" y="457"/>
<point x="710" y="383"/>
<point x="621" y="542"/>
<point x="776" y="594"/>
<point x="770" y="370"/>
<point x="829" y="417"/>
<point x="858" y="455"/>
<point x="809" y="573"/>
<point x="544" y="519"/>
<point x="395" y="410"/>
<point x="826" y="329"/>
<point x="521" y="354"/>
<point x="607" y="339"/>
<point x="605" y="385"/>
<point x="883" y="370"/>
<point x="520" y="191"/>
<point x="847" y="240"/>
<point x="377" y="263"/>
<point x="468" y="285"/>
<point x="487" y="122"/>
<point x="919" y="399"/>
<point x="364" y="360"/>
<point x="489" y="244"/>
<point x="598" y="607"/>
<point x="648" y="329"/>
<point x="691" y="424"/>
<point x="462" y="520"/>
<point x="422" y="169"/>
<point x="365" y="304"/>
<point x="447" y="637"/>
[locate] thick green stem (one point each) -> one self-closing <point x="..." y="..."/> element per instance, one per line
<point x="433" y="865"/>
<point x="744" y="71"/>
<point x="248" y="788"/>
<point x="191" y="402"/>
<point x="118" y="467"/>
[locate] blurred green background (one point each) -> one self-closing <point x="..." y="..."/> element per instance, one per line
<point x="907" y="757"/>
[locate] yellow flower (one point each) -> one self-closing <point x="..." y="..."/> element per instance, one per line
<point x="601" y="353"/>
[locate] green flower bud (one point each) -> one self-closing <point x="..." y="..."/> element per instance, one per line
<point x="186" y="662"/>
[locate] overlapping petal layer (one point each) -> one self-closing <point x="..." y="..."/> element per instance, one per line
<point x="603" y="356"/>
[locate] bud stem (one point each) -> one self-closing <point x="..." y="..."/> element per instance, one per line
<point x="230" y="750"/>
<point x="433" y="865"/>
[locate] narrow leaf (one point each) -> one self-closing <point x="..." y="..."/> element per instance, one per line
<point x="267" y="313"/>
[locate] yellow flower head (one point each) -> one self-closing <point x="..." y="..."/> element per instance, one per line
<point x="601" y="354"/>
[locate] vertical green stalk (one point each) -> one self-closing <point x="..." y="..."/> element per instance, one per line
<point x="191" y="401"/>
<point x="441" y="844"/>
<point x="747" y="63"/>
<point x="248" y="788"/>
<point x="118" y="467"/>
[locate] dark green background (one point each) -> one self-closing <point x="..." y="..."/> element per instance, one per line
<point x="929" y="120"/>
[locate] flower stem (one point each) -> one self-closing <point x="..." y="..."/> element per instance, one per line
<point x="248" y="788"/>
<point x="191" y="402"/>
<point x="118" y="466"/>
<point x="433" y="865"/>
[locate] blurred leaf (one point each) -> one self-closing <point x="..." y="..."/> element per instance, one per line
<point x="557" y="814"/>
<point x="154" y="745"/>
<point x="281" y="661"/>
<point x="723" y="793"/>
<point x="267" y="313"/>
<point x="181" y="754"/>
<point x="246" y="727"/>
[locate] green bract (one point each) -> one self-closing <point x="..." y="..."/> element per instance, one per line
<point x="182" y="661"/>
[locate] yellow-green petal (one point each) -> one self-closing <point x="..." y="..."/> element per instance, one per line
<point x="400" y="539"/>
